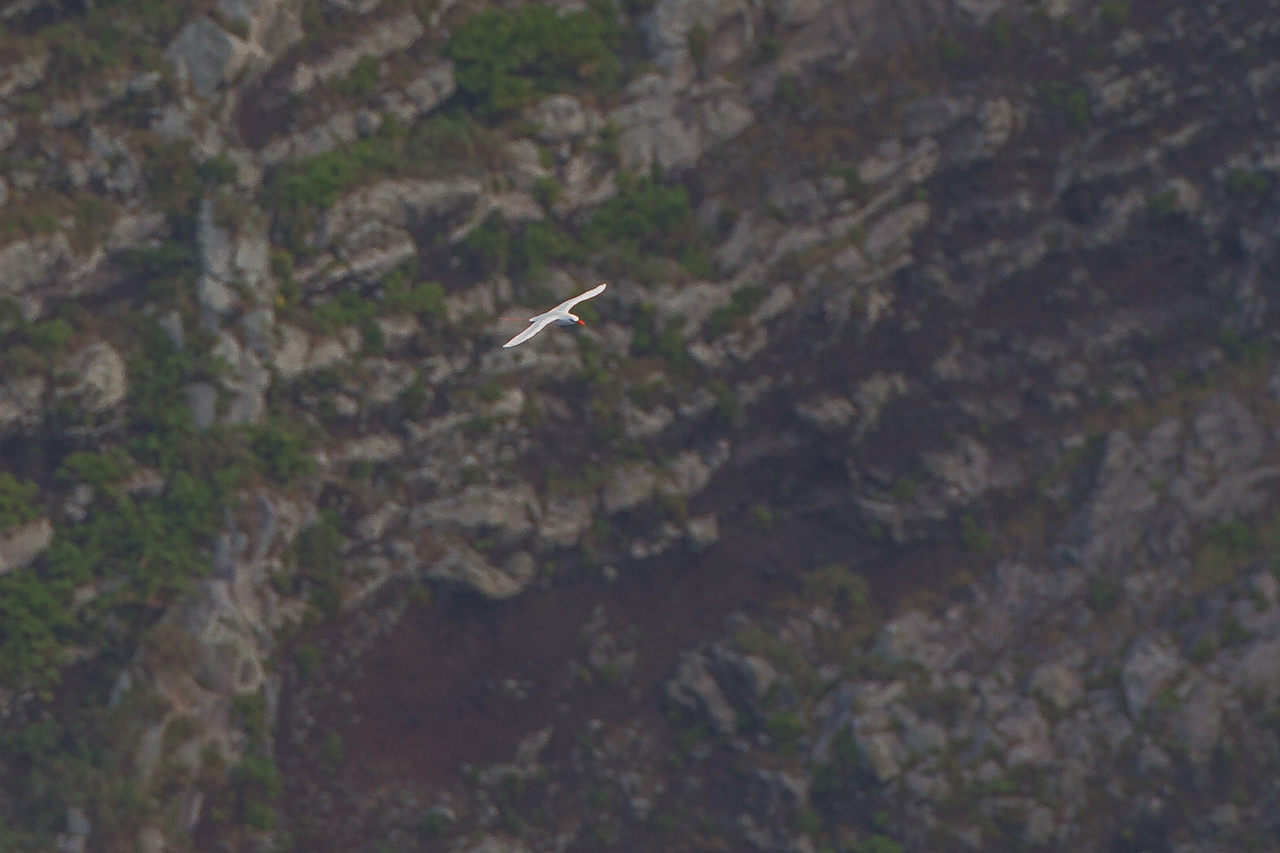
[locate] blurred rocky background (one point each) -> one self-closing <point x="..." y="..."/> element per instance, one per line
<point x="911" y="488"/>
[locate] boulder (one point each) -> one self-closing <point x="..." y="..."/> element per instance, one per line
<point x="466" y="567"/>
<point x="564" y="520"/>
<point x="932" y="114"/>
<point x="1057" y="684"/>
<point x="290" y="358"/>
<point x="381" y="40"/>
<point x="696" y="689"/>
<point x="1150" y="666"/>
<point x="893" y="233"/>
<point x="386" y="380"/>
<point x="630" y="486"/>
<point x="727" y="22"/>
<point x="371" y="448"/>
<point x="22" y="544"/>
<point x="273" y="25"/>
<point x="660" y="128"/>
<point x="828" y="413"/>
<point x="206" y="55"/>
<point x="101" y="379"/>
<point x="562" y="117"/>
<point x="21" y="403"/>
<point x="910" y="637"/>
<point x="400" y="204"/>
<point x="424" y="93"/>
<point x="511" y="512"/>
<point x="30" y="263"/>
<point x="231" y="644"/>
<point x="202" y="397"/>
<point x="702" y="532"/>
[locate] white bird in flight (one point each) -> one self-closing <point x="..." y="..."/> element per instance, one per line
<point x="559" y="315"/>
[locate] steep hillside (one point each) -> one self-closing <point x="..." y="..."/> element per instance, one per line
<point x="910" y="488"/>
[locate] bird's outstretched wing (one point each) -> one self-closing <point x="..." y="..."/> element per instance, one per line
<point x="536" y="325"/>
<point x="581" y="297"/>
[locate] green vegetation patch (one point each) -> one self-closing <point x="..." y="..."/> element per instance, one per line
<point x="506" y="58"/>
<point x="19" y="501"/>
<point x="524" y="249"/>
<point x="745" y="299"/>
<point x="1069" y="99"/>
<point x="649" y="218"/>
<point x="319" y="563"/>
<point x="318" y="182"/>
<point x="1240" y="181"/>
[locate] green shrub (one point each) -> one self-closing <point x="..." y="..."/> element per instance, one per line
<point x="281" y="451"/>
<point x="100" y="470"/>
<point x="348" y="308"/>
<point x="543" y="243"/>
<point x="332" y="751"/>
<point x="257" y="782"/>
<point x="319" y="181"/>
<point x="506" y="58"/>
<point x="362" y="79"/>
<point x="19" y="501"/>
<point x="308" y="659"/>
<point x="497" y="246"/>
<point x="745" y="299"/>
<point x="1073" y="100"/>
<point x="218" y="170"/>
<point x="649" y="218"/>
<point x="788" y="90"/>
<point x="1115" y="12"/>
<point x="840" y="584"/>
<point x="785" y="727"/>
<point x="808" y="821"/>
<point x="434" y="823"/>
<point x="698" y="41"/>
<point x="973" y="537"/>
<point x="1234" y="536"/>
<point x="1001" y="30"/>
<point x="320" y="563"/>
<point x="1104" y="593"/>
<point x="877" y="844"/>
<point x="249" y="712"/>
<point x="1243" y="182"/>
<point x="425" y="298"/>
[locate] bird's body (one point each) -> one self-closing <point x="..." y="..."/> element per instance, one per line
<point x="560" y="316"/>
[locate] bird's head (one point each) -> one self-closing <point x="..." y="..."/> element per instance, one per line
<point x="580" y="323"/>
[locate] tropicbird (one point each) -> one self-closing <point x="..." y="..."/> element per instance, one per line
<point x="559" y="315"/>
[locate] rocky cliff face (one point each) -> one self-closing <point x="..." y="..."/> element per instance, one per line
<point x="911" y="487"/>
